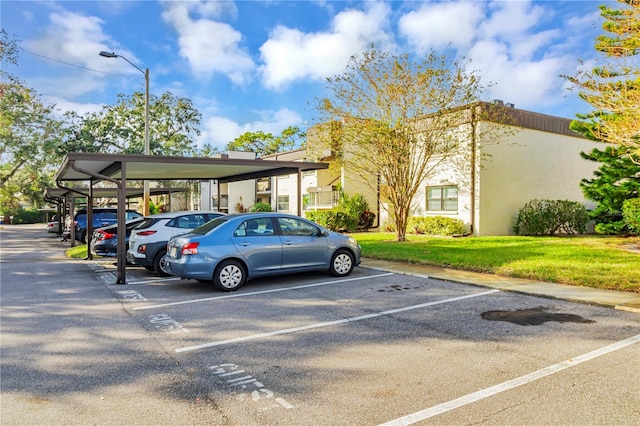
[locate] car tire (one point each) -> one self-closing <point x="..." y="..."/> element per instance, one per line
<point x="229" y="275"/>
<point x="159" y="264"/>
<point x="83" y="237"/>
<point x="342" y="263"/>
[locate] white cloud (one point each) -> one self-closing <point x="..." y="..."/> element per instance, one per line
<point x="290" y="54"/>
<point x="219" y="131"/>
<point x="77" y="39"/>
<point x="438" y="25"/>
<point x="209" y="46"/>
<point x="526" y="83"/>
<point x="509" y="18"/>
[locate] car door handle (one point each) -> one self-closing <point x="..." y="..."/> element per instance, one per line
<point x="245" y="244"/>
<point x="287" y="242"/>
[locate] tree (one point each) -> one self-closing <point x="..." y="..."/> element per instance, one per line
<point x="617" y="180"/>
<point x="173" y="124"/>
<point x="29" y="134"/>
<point x="391" y="121"/>
<point x="613" y="87"/>
<point x="266" y="143"/>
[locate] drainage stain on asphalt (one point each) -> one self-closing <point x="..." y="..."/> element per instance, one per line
<point x="396" y="287"/>
<point x="534" y="316"/>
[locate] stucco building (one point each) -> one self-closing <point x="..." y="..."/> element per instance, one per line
<point x="500" y="167"/>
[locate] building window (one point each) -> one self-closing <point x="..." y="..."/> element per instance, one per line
<point x="442" y="198"/>
<point x="283" y="203"/>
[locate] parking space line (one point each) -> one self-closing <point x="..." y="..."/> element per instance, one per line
<point x="152" y="280"/>
<point x="519" y="381"/>
<point x="331" y="323"/>
<point x="275" y="290"/>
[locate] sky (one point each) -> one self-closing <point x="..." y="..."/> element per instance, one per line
<point x="259" y="65"/>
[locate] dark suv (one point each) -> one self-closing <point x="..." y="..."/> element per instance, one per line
<point x="101" y="217"/>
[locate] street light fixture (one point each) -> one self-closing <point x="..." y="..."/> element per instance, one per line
<point x="146" y="120"/>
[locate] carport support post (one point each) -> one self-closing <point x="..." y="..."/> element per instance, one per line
<point x="121" y="218"/>
<point x="89" y="229"/>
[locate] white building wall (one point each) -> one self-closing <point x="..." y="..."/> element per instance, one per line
<point x="531" y="165"/>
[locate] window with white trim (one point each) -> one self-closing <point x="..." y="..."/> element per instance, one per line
<point x="283" y="203"/>
<point x="442" y="198"/>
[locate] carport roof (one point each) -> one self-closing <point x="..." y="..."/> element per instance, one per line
<point x="91" y="166"/>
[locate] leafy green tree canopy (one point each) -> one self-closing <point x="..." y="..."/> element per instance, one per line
<point x="266" y="143"/>
<point x="173" y="124"/>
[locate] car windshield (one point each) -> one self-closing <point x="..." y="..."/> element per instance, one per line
<point x="207" y="227"/>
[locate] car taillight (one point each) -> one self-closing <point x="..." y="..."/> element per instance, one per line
<point x="145" y="233"/>
<point x="190" y="248"/>
<point x="105" y="235"/>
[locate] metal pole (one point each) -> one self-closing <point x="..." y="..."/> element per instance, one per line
<point x="146" y="140"/>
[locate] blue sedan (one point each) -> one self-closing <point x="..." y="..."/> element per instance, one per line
<point x="231" y="249"/>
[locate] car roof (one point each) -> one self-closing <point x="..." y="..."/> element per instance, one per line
<point x="252" y="215"/>
<point x="171" y="215"/>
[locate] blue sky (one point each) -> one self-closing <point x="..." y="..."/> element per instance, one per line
<point x="258" y="65"/>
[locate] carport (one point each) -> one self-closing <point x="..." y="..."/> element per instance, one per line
<point x="64" y="197"/>
<point x="91" y="168"/>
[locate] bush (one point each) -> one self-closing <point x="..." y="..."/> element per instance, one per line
<point x="546" y="217"/>
<point x="352" y="214"/>
<point x="436" y="225"/>
<point x="261" y="207"/>
<point x="631" y="214"/>
<point x="22" y="216"/>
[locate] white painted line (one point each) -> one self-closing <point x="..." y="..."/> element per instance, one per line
<point x="275" y="290"/>
<point x="331" y="323"/>
<point x="519" y="381"/>
<point x="152" y="280"/>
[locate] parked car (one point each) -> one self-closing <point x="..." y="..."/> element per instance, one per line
<point x="232" y="249"/>
<point x="105" y="240"/>
<point x="148" y="242"/>
<point x="101" y="216"/>
<point x="54" y="226"/>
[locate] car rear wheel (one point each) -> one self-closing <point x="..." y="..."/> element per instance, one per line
<point x="342" y="263"/>
<point x="160" y="264"/>
<point x="229" y="275"/>
<point x="83" y="237"/>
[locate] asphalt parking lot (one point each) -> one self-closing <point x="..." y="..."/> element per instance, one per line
<point x="373" y="348"/>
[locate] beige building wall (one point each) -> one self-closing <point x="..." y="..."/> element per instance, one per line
<point x="531" y="165"/>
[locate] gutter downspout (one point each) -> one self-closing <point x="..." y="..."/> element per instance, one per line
<point x="473" y="171"/>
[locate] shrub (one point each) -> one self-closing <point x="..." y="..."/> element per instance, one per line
<point x="352" y="214"/>
<point x="631" y="214"/>
<point x="261" y="207"/>
<point x="23" y="216"/>
<point x="546" y="217"/>
<point x="436" y="225"/>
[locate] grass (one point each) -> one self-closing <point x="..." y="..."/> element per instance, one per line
<point x="592" y="261"/>
<point x="77" y="252"/>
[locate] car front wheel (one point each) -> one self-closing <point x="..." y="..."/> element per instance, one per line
<point x="342" y="263"/>
<point x="229" y="275"/>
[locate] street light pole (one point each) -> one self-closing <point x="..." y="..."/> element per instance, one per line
<point x="146" y="121"/>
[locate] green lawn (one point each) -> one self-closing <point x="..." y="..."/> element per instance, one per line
<point x="592" y="261"/>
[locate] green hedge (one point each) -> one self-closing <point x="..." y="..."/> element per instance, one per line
<point x="436" y="225"/>
<point x="24" y="216"/>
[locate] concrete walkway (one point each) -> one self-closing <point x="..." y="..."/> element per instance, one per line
<point x="625" y="301"/>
